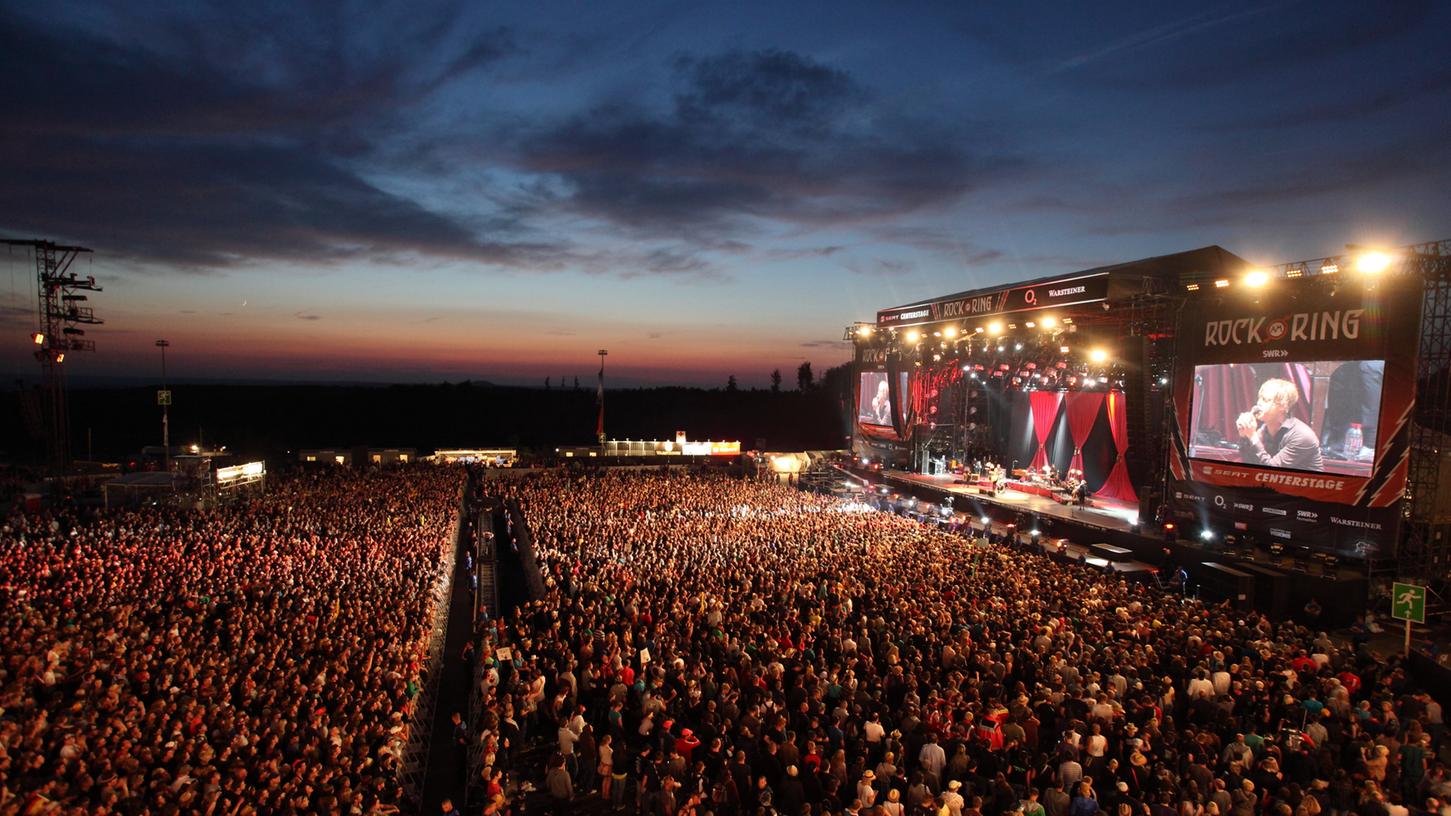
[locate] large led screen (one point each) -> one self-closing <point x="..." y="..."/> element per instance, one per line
<point x="874" y="397"/>
<point x="1319" y="417"/>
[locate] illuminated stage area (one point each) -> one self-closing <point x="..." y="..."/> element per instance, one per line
<point x="1192" y="398"/>
<point x="1107" y="514"/>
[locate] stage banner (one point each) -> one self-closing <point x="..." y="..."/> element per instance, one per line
<point x="1292" y="407"/>
<point x="1071" y="291"/>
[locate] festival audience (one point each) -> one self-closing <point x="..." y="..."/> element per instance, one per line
<point x="744" y="648"/>
<point x="257" y="658"/>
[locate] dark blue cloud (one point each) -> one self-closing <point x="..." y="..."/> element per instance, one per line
<point x="760" y="135"/>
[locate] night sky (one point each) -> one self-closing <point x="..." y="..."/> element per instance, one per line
<point x="312" y="191"/>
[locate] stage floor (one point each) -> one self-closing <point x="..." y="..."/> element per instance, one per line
<point x="1107" y="514"/>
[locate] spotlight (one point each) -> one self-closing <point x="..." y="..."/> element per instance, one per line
<point x="1163" y="381"/>
<point x="1098" y="355"/>
<point x="986" y="520"/>
<point x="1062" y="349"/>
<point x="1035" y="532"/>
<point x="864" y="331"/>
<point x="1000" y="348"/>
<point x="912" y="336"/>
<point x="1257" y="277"/>
<point x="60" y="356"/>
<point x="1049" y="321"/>
<point x="1329" y="268"/>
<point x="1372" y="263"/>
<point x="38" y="338"/>
<point x="995" y="327"/>
<point x="1193" y="287"/>
<point x="1207" y="535"/>
<point x="949" y="332"/>
<point x="1017" y="347"/>
<point x="1222" y="283"/>
<point x="1030" y="324"/>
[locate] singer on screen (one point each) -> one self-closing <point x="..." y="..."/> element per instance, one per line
<point x="1270" y="436"/>
<point x="882" y="404"/>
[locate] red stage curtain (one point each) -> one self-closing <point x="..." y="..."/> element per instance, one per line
<point x="1118" y="485"/>
<point x="1083" y="408"/>
<point x="1045" y="412"/>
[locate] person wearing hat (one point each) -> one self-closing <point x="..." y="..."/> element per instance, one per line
<point x="1137" y="775"/>
<point x="952" y="800"/>
<point x="893" y="806"/>
<point x="865" y="792"/>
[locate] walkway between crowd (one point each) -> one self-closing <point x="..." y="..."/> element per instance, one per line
<point x="447" y="773"/>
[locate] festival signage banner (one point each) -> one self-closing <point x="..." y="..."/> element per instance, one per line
<point x="1052" y="294"/>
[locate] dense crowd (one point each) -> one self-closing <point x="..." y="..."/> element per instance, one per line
<point x="257" y="658"/>
<point x="708" y="645"/>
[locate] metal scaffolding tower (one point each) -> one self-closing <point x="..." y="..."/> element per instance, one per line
<point x="60" y="313"/>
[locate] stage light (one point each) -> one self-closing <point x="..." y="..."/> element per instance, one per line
<point x="1030" y="324"/>
<point x="1372" y="263"/>
<point x="912" y="336"/>
<point x="1089" y="381"/>
<point x="1000" y="348"/>
<point x="1193" y="287"/>
<point x="1035" y="532"/>
<point x="1049" y="321"/>
<point x="974" y="375"/>
<point x="60" y="356"/>
<point x="1062" y="349"/>
<point x="1098" y="355"/>
<point x="949" y="332"/>
<point x="1207" y="535"/>
<point x="1222" y="283"/>
<point x="986" y="520"/>
<point x="1017" y="347"/>
<point x="1257" y="277"/>
<point x="864" y="331"/>
<point x="995" y="327"/>
<point x="1163" y="381"/>
<point x="38" y="338"/>
<point x="1329" y="268"/>
<point x="937" y="334"/>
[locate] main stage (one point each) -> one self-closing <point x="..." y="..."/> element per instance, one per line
<point x="1099" y="513"/>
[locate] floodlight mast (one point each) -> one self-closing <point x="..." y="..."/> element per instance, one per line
<point x="60" y="316"/>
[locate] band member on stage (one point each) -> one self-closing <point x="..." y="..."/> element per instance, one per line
<point x="1270" y="436"/>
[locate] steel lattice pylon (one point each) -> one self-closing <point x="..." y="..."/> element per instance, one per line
<point x="59" y="317"/>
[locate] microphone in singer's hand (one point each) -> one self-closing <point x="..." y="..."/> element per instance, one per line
<point x="1256" y="411"/>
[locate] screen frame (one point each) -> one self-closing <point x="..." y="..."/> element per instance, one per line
<point x="1190" y="445"/>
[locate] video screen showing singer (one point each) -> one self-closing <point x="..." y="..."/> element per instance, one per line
<point x="1270" y="436"/>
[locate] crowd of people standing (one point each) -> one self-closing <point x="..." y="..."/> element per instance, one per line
<point x="262" y="657"/>
<point x="712" y="645"/>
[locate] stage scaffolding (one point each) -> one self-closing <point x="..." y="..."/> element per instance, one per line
<point x="1425" y="550"/>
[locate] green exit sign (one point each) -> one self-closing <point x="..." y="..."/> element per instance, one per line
<point x="1408" y="603"/>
